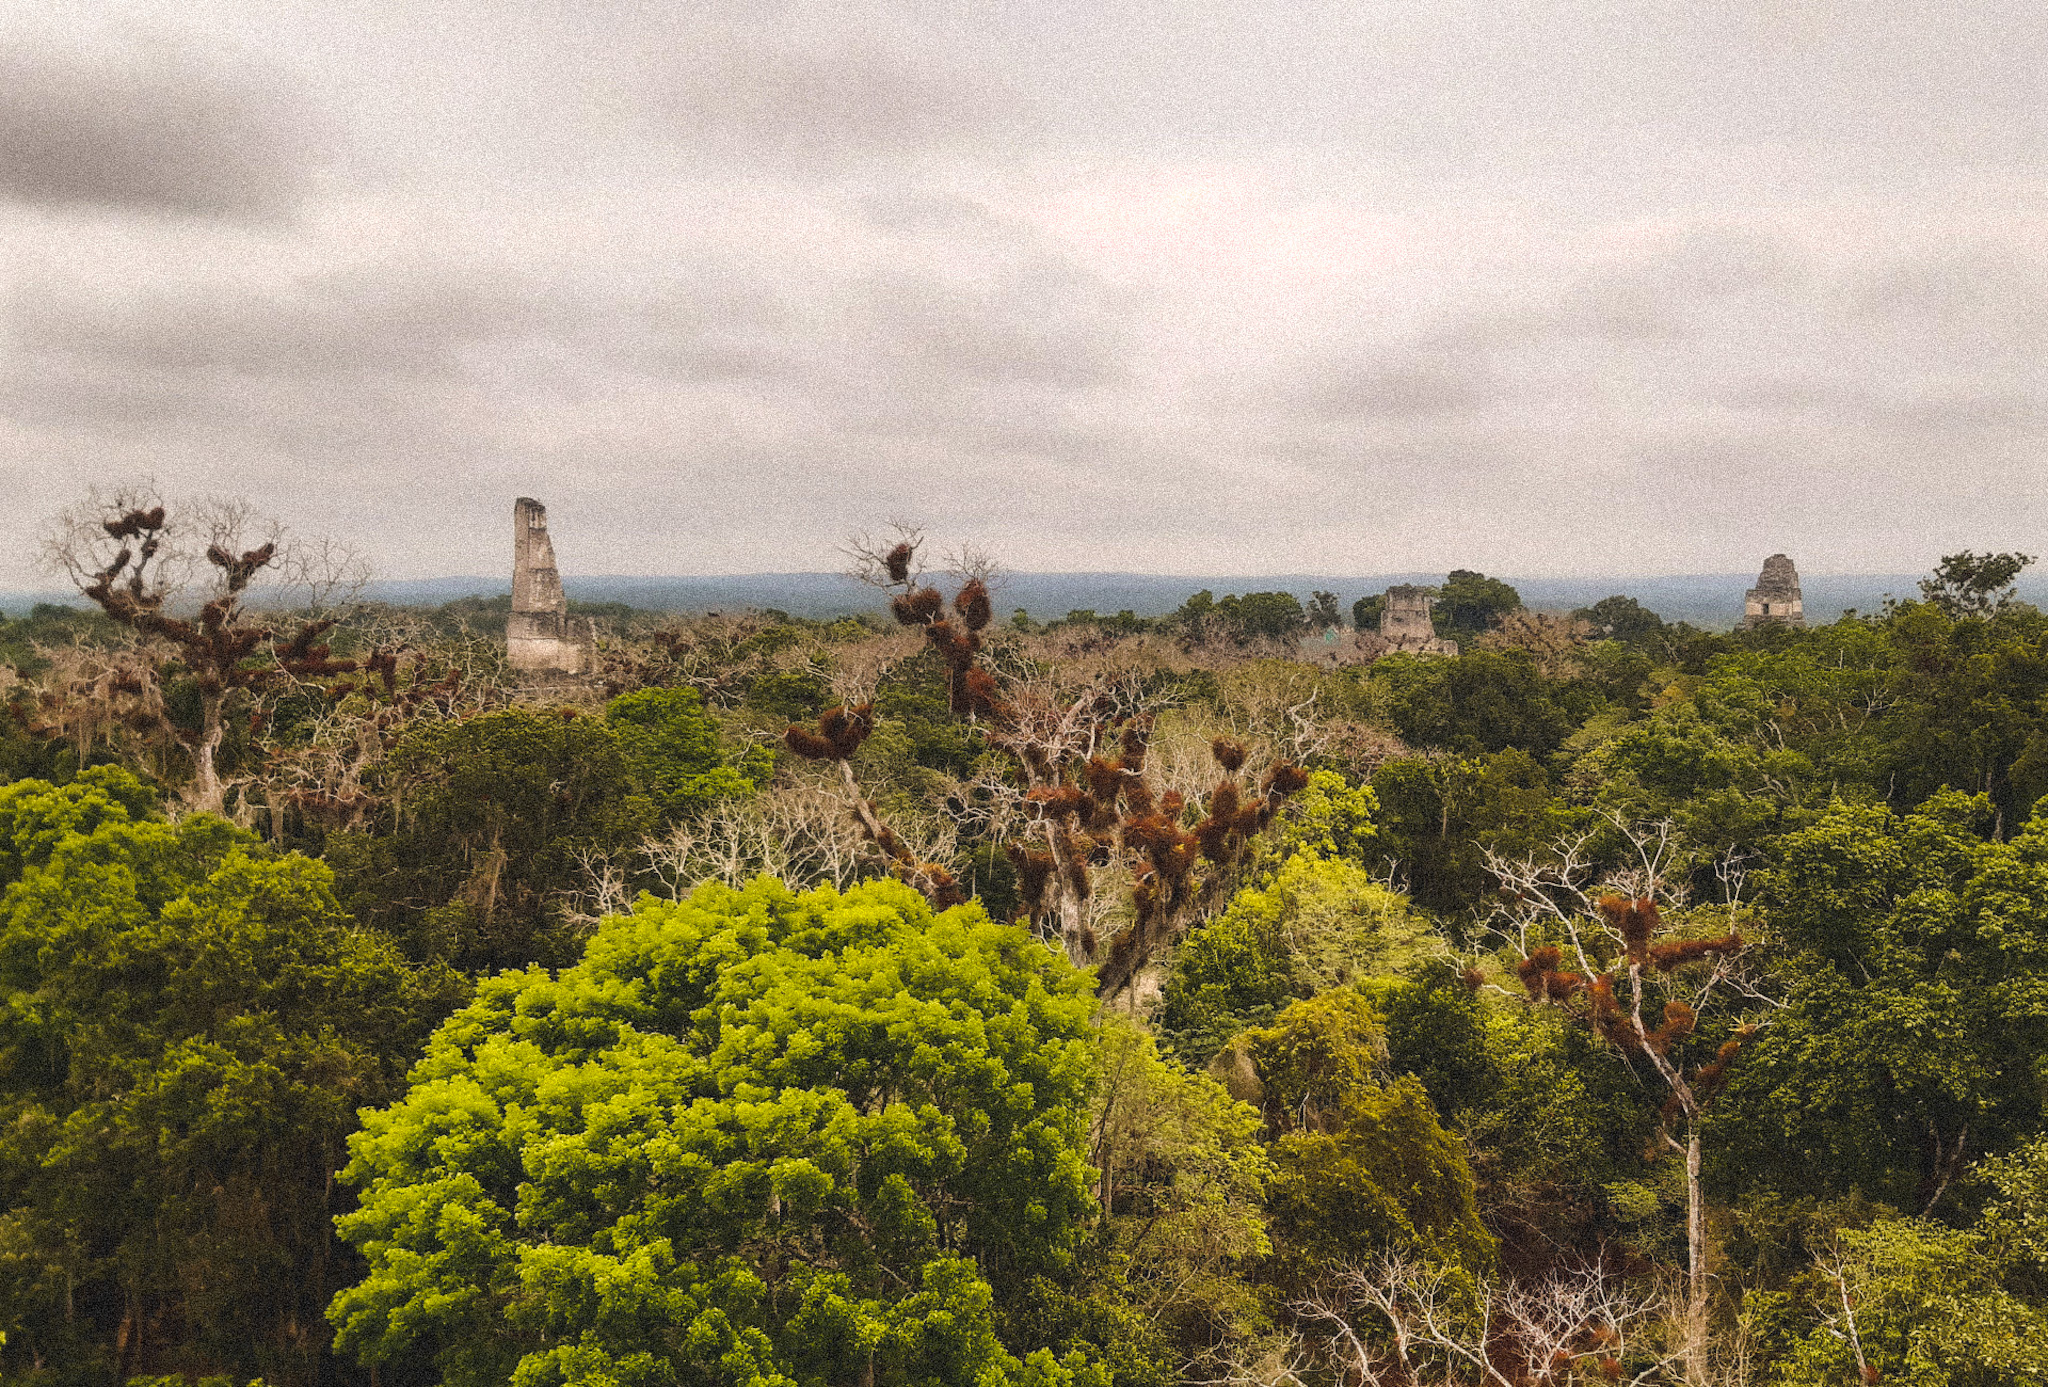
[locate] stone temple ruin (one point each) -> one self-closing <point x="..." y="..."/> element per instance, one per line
<point x="1774" y="601"/>
<point x="1405" y="623"/>
<point x="540" y="636"/>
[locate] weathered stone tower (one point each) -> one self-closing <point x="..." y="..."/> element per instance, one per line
<point x="539" y="635"/>
<point x="1405" y="623"/>
<point x="1774" y="601"/>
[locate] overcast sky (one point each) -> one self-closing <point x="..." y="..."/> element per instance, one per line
<point x="1549" y="287"/>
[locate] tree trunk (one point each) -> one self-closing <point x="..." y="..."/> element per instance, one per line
<point x="1696" y="1252"/>
<point x="1071" y="901"/>
<point x="206" y="795"/>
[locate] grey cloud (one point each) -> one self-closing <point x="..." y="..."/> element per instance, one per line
<point x="721" y="319"/>
<point x="154" y="127"/>
<point x="1952" y="410"/>
<point x="949" y="317"/>
<point x="343" y="326"/>
<point x="1682" y="370"/>
<point x="1041" y="325"/>
<point x="965" y="339"/>
<point x="1643" y="300"/>
<point x="1927" y="408"/>
<point x="1122" y="284"/>
<point x="1979" y="301"/>
<point x="1917" y="347"/>
<point x="1000" y="362"/>
<point x="356" y="371"/>
<point x="1751" y="322"/>
<point x="1416" y="383"/>
<point x="695" y="332"/>
<point x="818" y="88"/>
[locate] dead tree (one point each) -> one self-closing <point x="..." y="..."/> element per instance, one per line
<point x="1603" y="951"/>
<point x="1079" y="761"/>
<point x="322" y="765"/>
<point x="135" y="562"/>
<point x="1401" y="1321"/>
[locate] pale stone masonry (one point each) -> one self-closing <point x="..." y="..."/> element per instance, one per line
<point x="1774" y="601"/>
<point x="540" y="635"/>
<point x="1406" y="625"/>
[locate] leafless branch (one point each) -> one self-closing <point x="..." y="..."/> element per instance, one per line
<point x="889" y="557"/>
<point x="1404" y="1321"/>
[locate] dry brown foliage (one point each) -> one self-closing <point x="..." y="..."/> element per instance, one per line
<point x="1077" y="728"/>
<point x="137" y="558"/>
<point x="1557" y="644"/>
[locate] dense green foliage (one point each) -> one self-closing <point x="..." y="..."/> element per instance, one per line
<point x="1441" y="814"/>
<point x="1320" y="924"/>
<point x="1917" y="1018"/>
<point x="681" y="1123"/>
<point x="751" y="1138"/>
<point x="1484" y="702"/>
<point x="1183" y="1178"/>
<point x="1361" y="1163"/>
<point x="1936" y="1306"/>
<point x="1254" y="616"/>
<point x="671" y="746"/>
<point x="191" y="1022"/>
<point x="1622" y="619"/>
<point x="1469" y="602"/>
<point x="493" y="814"/>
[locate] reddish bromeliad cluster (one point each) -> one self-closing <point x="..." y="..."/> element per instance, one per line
<point x="1085" y="809"/>
<point x="1635" y="922"/>
<point x="228" y="651"/>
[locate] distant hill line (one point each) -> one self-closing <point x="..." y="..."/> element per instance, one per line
<point x="1712" y="600"/>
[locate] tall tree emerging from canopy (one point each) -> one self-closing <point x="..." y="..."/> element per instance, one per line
<point x="1622" y="619"/>
<point x="1470" y="602"/>
<point x="136" y="561"/>
<point x="1080" y="758"/>
<point x="1973" y="585"/>
<point x="1672" y="995"/>
<point x="754" y="1138"/>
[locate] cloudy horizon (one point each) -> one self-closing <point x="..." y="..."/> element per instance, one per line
<point x="1559" y="288"/>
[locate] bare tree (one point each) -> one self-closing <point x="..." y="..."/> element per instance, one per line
<point x="1408" y="1322"/>
<point x="1833" y="1264"/>
<point x="322" y="765"/>
<point x="798" y="830"/>
<point x="182" y="584"/>
<point x="91" y="695"/>
<point x="1600" y="948"/>
<point x="1088" y="811"/>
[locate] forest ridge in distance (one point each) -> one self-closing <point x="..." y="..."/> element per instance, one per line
<point x="1710" y="601"/>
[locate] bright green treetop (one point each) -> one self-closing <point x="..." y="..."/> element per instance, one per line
<point x="753" y="1138"/>
<point x="35" y="815"/>
<point x="1320" y="923"/>
<point x="1330" y="818"/>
